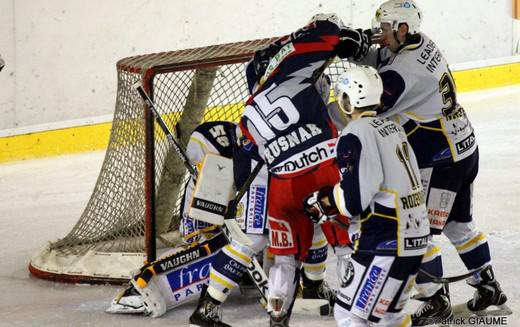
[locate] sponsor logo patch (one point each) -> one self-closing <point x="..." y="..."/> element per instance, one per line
<point x="387" y="245"/>
<point x="280" y="234"/>
<point x="318" y="154"/>
<point x="208" y="206"/>
<point x="444" y="154"/>
<point x="188" y="280"/>
<point x="414" y="243"/>
<point x="278" y="58"/>
<point x="465" y="144"/>
<point x="256" y="211"/>
<point x="367" y="294"/>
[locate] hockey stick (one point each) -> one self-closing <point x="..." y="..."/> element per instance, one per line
<point x="180" y="151"/>
<point x="426" y="275"/>
<point x="447" y="280"/>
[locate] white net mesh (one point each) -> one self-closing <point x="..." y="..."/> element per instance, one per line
<point x="188" y="87"/>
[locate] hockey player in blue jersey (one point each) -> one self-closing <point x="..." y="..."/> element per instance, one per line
<point x="420" y="94"/>
<point x="381" y="193"/>
<point x="229" y="266"/>
<point x="287" y="119"/>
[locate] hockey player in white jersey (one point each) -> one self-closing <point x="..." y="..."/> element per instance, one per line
<point x="380" y="191"/>
<point x="420" y="94"/>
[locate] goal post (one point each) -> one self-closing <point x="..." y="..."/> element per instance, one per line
<point x="134" y="209"/>
<point x="136" y="199"/>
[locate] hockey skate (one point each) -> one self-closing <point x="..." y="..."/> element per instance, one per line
<point x="317" y="290"/>
<point x="488" y="294"/>
<point x="282" y="321"/>
<point x="208" y="312"/>
<point x="435" y="309"/>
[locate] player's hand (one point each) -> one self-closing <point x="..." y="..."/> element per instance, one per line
<point x="318" y="207"/>
<point x="313" y="209"/>
<point x="376" y="37"/>
<point x="354" y="43"/>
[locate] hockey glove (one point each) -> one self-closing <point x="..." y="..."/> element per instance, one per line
<point x="262" y="58"/>
<point x="319" y="206"/>
<point x="354" y="43"/>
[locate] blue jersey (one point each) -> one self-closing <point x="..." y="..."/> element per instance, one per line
<point x="286" y="117"/>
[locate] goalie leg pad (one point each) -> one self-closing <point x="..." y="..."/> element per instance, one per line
<point x="127" y="301"/>
<point x="152" y="298"/>
<point x="171" y="280"/>
<point x="213" y="190"/>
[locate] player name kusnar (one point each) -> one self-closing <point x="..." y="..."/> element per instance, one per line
<point x="285" y="142"/>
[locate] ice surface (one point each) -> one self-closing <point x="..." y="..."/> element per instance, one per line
<point x="40" y="200"/>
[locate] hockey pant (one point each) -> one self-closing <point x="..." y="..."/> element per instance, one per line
<point x="375" y="289"/>
<point x="449" y="203"/>
<point x="290" y="230"/>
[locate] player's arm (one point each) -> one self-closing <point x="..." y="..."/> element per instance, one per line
<point x="325" y="37"/>
<point x="361" y="173"/>
<point x="361" y="176"/>
<point x="394" y="87"/>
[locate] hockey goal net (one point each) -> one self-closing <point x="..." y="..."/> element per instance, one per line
<point x="135" y="205"/>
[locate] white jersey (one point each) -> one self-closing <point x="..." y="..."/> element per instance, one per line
<point x="381" y="187"/>
<point x="420" y="94"/>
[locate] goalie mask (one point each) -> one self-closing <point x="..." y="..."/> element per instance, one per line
<point x="395" y="12"/>
<point x="357" y="87"/>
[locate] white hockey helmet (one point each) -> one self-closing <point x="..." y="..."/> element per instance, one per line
<point x="396" y="12"/>
<point x="357" y="87"/>
<point x="331" y="17"/>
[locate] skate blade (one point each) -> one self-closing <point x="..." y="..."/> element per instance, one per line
<point x="496" y="310"/>
<point x="461" y="310"/>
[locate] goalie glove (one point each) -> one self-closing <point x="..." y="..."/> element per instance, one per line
<point x="354" y="43"/>
<point x="319" y="206"/>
